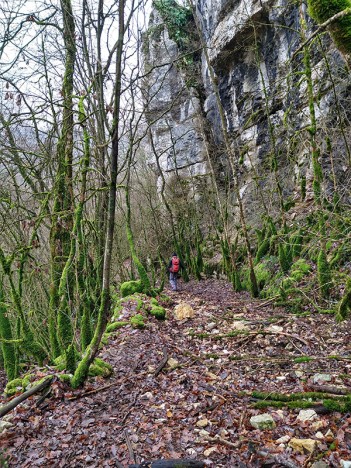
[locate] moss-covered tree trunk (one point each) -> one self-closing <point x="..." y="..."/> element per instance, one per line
<point x="60" y="327"/>
<point x="8" y="347"/>
<point x="83" y="367"/>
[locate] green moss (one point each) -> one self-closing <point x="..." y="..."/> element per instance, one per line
<point x="115" y="326"/>
<point x="86" y="329"/>
<point x="137" y="321"/>
<point x="13" y="386"/>
<point x="60" y="363"/>
<point x="158" y="312"/>
<point x="66" y="378"/>
<point x="263" y="249"/>
<point x="344" y="306"/>
<point x="324" y="275"/>
<point x="262" y="274"/>
<point x="100" y="368"/>
<point x="283" y="258"/>
<point x="211" y="356"/>
<point x="71" y="358"/>
<point x="8" y="349"/>
<point x="303" y="359"/>
<point x="116" y="311"/>
<point x="154" y="301"/>
<point x="322" y="10"/>
<point x="130" y="287"/>
<point x="26" y="380"/>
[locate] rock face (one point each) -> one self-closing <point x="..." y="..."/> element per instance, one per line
<point x="263" y="91"/>
<point x="175" y="137"/>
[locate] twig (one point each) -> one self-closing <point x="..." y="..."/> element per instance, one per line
<point x="218" y="439"/>
<point x="162" y="363"/>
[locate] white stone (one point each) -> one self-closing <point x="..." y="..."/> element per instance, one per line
<point x="240" y="326"/>
<point x="280" y="414"/>
<point x="319" y="435"/>
<point x="321" y="378"/>
<point x="345" y="464"/>
<point x="275" y="328"/>
<point x="262" y="421"/>
<point x="283" y="440"/>
<point x="307" y="415"/>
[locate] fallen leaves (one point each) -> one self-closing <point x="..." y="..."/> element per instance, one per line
<point x="195" y="407"/>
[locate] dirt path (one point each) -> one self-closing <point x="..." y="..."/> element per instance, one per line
<point x="196" y="409"/>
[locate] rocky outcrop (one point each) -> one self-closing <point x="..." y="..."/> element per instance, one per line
<point x="263" y="91"/>
<point x="171" y="106"/>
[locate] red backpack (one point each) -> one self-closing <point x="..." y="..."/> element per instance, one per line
<point x="175" y="265"/>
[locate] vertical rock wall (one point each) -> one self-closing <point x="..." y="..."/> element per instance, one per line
<point x="263" y="92"/>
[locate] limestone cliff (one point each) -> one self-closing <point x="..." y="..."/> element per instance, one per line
<point x="264" y="93"/>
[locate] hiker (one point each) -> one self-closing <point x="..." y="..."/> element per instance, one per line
<point x="173" y="267"/>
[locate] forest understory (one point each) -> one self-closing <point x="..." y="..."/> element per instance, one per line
<point x="183" y="389"/>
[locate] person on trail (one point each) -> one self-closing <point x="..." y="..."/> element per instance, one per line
<point x="173" y="267"/>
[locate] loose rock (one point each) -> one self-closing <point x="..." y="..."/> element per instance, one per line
<point x="302" y="445"/>
<point x="321" y="378"/>
<point x="307" y="415"/>
<point x="262" y="421"/>
<point x="183" y="311"/>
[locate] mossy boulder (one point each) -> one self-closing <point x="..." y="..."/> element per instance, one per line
<point x="111" y="327"/>
<point x="158" y="312"/>
<point x="137" y="321"/>
<point x="13" y="386"/>
<point x="131" y="287"/>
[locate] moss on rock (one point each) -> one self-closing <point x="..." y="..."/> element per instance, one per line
<point x="158" y="312"/>
<point x="13" y="386"/>
<point x="131" y="287"/>
<point x="111" y="327"/>
<point x="137" y="321"/>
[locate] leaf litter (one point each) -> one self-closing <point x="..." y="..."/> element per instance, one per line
<point x="199" y="405"/>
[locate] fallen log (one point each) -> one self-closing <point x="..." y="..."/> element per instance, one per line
<point x="4" y="409"/>
<point x="179" y="463"/>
